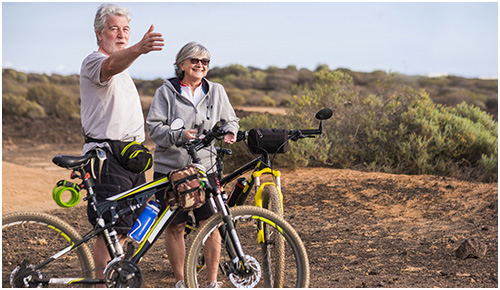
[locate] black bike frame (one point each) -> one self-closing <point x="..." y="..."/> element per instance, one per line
<point x="141" y="195"/>
<point x="256" y="165"/>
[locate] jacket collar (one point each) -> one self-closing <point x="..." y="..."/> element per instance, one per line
<point x="176" y="83"/>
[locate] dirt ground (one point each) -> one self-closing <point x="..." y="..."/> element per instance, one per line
<point x="360" y="229"/>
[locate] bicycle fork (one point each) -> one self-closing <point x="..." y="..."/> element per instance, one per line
<point x="230" y="237"/>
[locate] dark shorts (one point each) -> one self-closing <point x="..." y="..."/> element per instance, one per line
<point x="114" y="179"/>
<point x="202" y="213"/>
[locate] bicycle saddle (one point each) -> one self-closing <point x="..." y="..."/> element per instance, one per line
<point x="71" y="162"/>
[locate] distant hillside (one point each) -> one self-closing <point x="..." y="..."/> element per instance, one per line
<point x="274" y="87"/>
<point x="382" y="122"/>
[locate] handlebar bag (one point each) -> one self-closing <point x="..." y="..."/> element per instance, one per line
<point x="269" y="141"/>
<point x="188" y="190"/>
<point x="133" y="156"/>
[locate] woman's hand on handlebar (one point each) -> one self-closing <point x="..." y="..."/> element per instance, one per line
<point x="190" y="134"/>
<point x="230" y="137"/>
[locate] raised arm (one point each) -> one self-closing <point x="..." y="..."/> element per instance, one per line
<point x="122" y="59"/>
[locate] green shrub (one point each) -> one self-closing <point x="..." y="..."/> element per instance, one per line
<point x="16" y="105"/>
<point x="54" y="100"/>
<point x="398" y="130"/>
<point x="267" y="101"/>
<point x="401" y="130"/>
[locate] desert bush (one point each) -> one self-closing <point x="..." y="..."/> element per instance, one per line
<point x="259" y="78"/>
<point x="222" y="72"/>
<point x="236" y="97"/>
<point x="17" y="105"/>
<point x="34" y="78"/>
<point x="73" y="80"/>
<point x="306" y="77"/>
<point x="244" y="83"/>
<point x="11" y="86"/>
<point x="280" y="80"/>
<point x="322" y="67"/>
<point x="18" y="76"/>
<point x="148" y="88"/>
<point x="251" y="97"/>
<point x="398" y="130"/>
<point x="54" y="100"/>
<point x="267" y="101"/>
<point x="401" y="130"/>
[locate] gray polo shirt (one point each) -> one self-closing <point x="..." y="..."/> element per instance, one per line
<point x="109" y="110"/>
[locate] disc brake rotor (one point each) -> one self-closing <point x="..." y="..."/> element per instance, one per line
<point x="22" y="277"/>
<point x="247" y="281"/>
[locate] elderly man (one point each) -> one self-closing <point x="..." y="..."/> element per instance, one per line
<point x="111" y="109"/>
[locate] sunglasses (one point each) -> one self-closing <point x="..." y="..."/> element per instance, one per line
<point x="203" y="61"/>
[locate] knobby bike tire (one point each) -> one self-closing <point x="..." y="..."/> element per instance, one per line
<point x="34" y="237"/>
<point x="273" y="260"/>
<point x="246" y="219"/>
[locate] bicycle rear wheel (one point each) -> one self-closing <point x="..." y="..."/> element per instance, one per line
<point x="29" y="238"/>
<point x="246" y="220"/>
<point x="273" y="259"/>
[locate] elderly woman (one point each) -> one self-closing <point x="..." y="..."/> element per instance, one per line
<point x="200" y="104"/>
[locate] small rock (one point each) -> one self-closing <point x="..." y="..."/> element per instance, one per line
<point x="471" y="248"/>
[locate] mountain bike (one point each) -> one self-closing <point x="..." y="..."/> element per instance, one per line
<point x="268" y="195"/>
<point x="39" y="249"/>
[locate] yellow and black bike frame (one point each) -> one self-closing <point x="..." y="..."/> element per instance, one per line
<point x="260" y="168"/>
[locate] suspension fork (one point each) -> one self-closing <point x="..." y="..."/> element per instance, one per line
<point x="228" y="232"/>
<point x="259" y="187"/>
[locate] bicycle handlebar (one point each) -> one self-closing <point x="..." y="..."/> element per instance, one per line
<point x="294" y="134"/>
<point x="217" y="132"/>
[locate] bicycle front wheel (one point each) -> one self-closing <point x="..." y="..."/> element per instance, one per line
<point x="28" y="238"/>
<point x="246" y="220"/>
<point x="273" y="255"/>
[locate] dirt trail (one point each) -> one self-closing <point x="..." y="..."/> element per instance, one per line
<point x="360" y="229"/>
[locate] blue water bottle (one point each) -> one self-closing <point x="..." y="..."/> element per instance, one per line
<point x="145" y="221"/>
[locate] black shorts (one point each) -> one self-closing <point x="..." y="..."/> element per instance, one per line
<point x="202" y="213"/>
<point x="114" y="179"/>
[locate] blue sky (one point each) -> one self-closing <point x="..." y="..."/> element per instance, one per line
<point x="418" y="38"/>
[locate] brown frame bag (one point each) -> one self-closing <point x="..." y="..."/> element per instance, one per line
<point x="187" y="189"/>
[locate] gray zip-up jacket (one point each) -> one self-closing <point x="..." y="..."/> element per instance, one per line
<point x="168" y="105"/>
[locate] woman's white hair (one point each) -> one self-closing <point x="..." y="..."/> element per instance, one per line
<point x="190" y="50"/>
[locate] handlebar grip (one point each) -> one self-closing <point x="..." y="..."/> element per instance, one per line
<point x="241" y="136"/>
<point x="218" y="125"/>
<point x="310" y="132"/>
